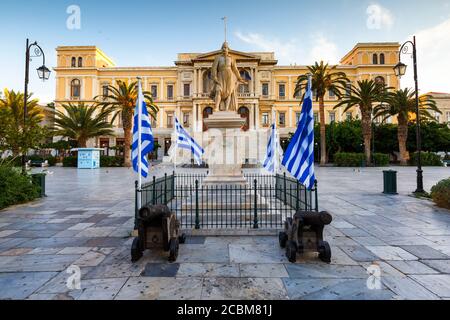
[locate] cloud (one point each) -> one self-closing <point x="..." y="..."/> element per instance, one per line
<point x="290" y="52"/>
<point x="378" y="17"/>
<point x="433" y="45"/>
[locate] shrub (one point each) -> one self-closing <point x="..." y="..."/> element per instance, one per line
<point x="105" y="162"/>
<point x="381" y="159"/>
<point x="441" y="193"/>
<point x="349" y="159"/>
<point x="429" y="159"/>
<point x="70" y="162"/>
<point x="110" y="161"/>
<point x="15" y="188"/>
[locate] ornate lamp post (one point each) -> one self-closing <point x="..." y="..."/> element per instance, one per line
<point x="400" y="70"/>
<point x="43" y="74"/>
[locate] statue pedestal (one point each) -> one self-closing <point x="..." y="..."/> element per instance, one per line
<point x="225" y="162"/>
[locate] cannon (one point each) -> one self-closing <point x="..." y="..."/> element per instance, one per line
<point x="304" y="232"/>
<point x="157" y="228"/>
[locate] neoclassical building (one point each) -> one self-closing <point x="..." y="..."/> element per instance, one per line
<point x="182" y="90"/>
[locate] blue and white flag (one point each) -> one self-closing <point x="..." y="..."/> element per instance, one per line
<point x="142" y="134"/>
<point x="274" y="151"/>
<point x="299" y="157"/>
<point x="185" y="141"/>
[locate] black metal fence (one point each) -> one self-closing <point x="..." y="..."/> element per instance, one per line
<point x="265" y="201"/>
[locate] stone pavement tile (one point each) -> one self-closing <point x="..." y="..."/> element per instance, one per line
<point x="121" y="232"/>
<point x="19" y="285"/>
<point x="90" y="259"/>
<point x="48" y="226"/>
<point x="4" y="224"/>
<point x="12" y="243"/>
<point x="243" y="289"/>
<point x="369" y="241"/>
<point x="44" y="251"/>
<point x="355" y="232"/>
<point x="338" y="257"/>
<point x="342" y="225"/>
<point x="442" y="266"/>
<point x="34" y="234"/>
<point x="96" y="218"/>
<point x="59" y="220"/>
<point x="407" y="289"/>
<point x="81" y="226"/>
<point x="7" y="233"/>
<point x="324" y="271"/>
<point x="112" y="222"/>
<point x="106" y="242"/>
<point x="412" y="267"/>
<point x="143" y="288"/>
<point x="66" y="234"/>
<point x="203" y="253"/>
<point x="101" y="289"/>
<point x="333" y="289"/>
<point x="359" y="253"/>
<point x="444" y="249"/>
<point x="263" y="270"/>
<point x="54" y="243"/>
<point x="160" y="270"/>
<point x="425" y="252"/>
<point x="439" y="240"/>
<point x="15" y="252"/>
<point x="262" y="253"/>
<point x="207" y="270"/>
<point x="341" y="241"/>
<point x="75" y="250"/>
<point x="94" y="232"/>
<point x="195" y="240"/>
<point x="49" y="297"/>
<point x="386" y="269"/>
<point x="39" y="263"/>
<point x="391" y="253"/>
<point x="408" y="241"/>
<point x="439" y="284"/>
<point x="58" y="284"/>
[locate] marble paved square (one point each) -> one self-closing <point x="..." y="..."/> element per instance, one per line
<point x="87" y="220"/>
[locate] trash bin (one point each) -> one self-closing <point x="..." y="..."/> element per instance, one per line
<point x="390" y="182"/>
<point x="38" y="179"/>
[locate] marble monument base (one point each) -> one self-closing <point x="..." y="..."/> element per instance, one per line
<point x="225" y="165"/>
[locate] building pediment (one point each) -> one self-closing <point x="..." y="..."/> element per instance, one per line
<point x="237" y="55"/>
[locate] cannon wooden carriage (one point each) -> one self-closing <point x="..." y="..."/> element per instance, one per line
<point x="157" y="228"/>
<point x="304" y="232"/>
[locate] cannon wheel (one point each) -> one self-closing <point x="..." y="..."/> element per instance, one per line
<point x="173" y="249"/>
<point x="324" y="252"/>
<point x="283" y="238"/>
<point x="136" y="252"/>
<point x="182" y="238"/>
<point x="291" y="251"/>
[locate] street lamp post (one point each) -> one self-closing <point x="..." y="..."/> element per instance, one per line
<point x="43" y="74"/>
<point x="400" y="70"/>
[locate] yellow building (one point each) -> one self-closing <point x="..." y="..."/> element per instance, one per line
<point x="443" y="104"/>
<point x="182" y="90"/>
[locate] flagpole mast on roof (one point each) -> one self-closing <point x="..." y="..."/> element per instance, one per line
<point x="225" y="25"/>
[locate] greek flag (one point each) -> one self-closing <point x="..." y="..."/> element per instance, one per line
<point x="185" y="141"/>
<point x="299" y="157"/>
<point x="274" y="151"/>
<point x="142" y="135"/>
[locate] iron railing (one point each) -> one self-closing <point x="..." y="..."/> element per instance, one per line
<point x="265" y="201"/>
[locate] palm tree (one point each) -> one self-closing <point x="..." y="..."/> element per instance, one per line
<point x="80" y="122"/>
<point x="365" y="95"/>
<point x="13" y="104"/>
<point x="402" y="103"/>
<point x="324" y="78"/>
<point x="121" y="100"/>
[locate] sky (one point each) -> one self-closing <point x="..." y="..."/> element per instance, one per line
<point x="151" y="33"/>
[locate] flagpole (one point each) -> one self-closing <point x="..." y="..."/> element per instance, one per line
<point x="275" y="154"/>
<point x="139" y="136"/>
<point x="176" y="140"/>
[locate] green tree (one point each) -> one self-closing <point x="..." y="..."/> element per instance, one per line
<point x="402" y="103"/>
<point x="121" y="100"/>
<point x="15" y="134"/>
<point x="81" y="122"/>
<point x="324" y="78"/>
<point x="365" y="95"/>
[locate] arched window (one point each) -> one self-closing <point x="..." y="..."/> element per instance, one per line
<point x="380" y="80"/>
<point x="80" y="62"/>
<point x="207" y="81"/>
<point x="375" y="58"/>
<point x="75" y="89"/>
<point x="382" y="59"/>
<point x="206" y="113"/>
<point x="74" y="62"/>
<point x="244" y="87"/>
<point x="245" y="113"/>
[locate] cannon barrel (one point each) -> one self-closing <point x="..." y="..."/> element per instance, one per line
<point x="314" y="218"/>
<point x="153" y="213"/>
